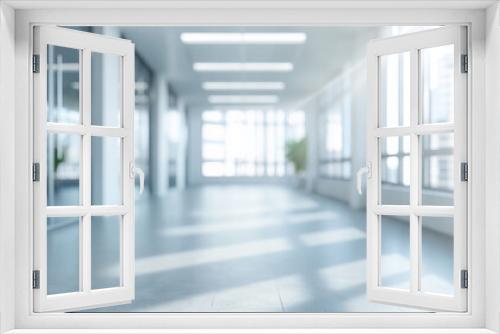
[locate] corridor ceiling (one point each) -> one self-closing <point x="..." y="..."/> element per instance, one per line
<point x="325" y="53"/>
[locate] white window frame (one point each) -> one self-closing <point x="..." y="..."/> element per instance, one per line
<point x="85" y="44"/>
<point x="244" y="13"/>
<point x="415" y="210"/>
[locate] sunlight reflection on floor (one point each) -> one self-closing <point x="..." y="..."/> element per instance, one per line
<point x="258" y="249"/>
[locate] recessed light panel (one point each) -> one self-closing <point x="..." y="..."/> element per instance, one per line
<point x="243" y="99"/>
<point x="243" y="67"/>
<point x="243" y="85"/>
<point x="243" y="38"/>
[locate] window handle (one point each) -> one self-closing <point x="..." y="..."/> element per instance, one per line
<point x="136" y="171"/>
<point x="359" y="176"/>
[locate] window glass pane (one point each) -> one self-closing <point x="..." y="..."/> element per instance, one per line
<point x="106" y="254"/>
<point x="63" y="84"/>
<point x="63" y="169"/>
<point x="395" y="170"/>
<point x="213" y="151"/>
<point x="106" y="73"/>
<point x="212" y="116"/>
<point x="394" y="91"/>
<point x="437" y="169"/>
<point x="437" y="255"/>
<point x="106" y="171"/>
<point x="213" y="132"/>
<point x="213" y="169"/>
<point x="63" y="255"/>
<point x="437" y="84"/>
<point x="346" y="169"/>
<point x="252" y="142"/>
<point x="334" y="136"/>
<point x="395" y="252"/>
<point x="336" y="169"/>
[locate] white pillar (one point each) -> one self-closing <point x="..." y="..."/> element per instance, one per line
<point x="194" y="149"/>
<point x="182" y="147"/>
<point x="158" y="142"/>
<point x="312" y="126"/>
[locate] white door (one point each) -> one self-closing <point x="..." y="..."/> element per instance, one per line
<point x="83" y="170"/>
<point x="417" y="152"/>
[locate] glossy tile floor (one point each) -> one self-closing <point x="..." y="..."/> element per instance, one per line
<point x="260" y="248"/>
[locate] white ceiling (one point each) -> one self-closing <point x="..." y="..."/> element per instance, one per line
<point x="325" y="53"/>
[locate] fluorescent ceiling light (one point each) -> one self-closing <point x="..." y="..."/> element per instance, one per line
<point x="243" y="38"/>
<point x="243" y="99"/>
<point x="243" y="85"/>
<point x="243" y="67"/>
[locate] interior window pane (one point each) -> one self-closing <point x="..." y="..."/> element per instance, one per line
<point x="335" y="169"/>
<point x="346" y="172"/>
<point x="212" y="116"/>
<point x="213" y="151"/>
<point x="63" y="169"/>
<point x="213" y="132"/>
<point x="395" y="252"/>
<point x="250" y="142"/>
<point x="437" y="169"/>
<point x="63" y="255"/>
<point x="271" y="143"/>
<point x="271" y="168"/>
<point x="437" y="84"/>
<point x="213" y="169"/>
<point x="395" y="170"/>
<point x="334" y="134"/>
<point x="280" y="169"/>
<point x="106" y="73"/>
<point x="437" y="255"/>
<point x="106" y="254"/>
<point x="394" y="93"/>
<point x="107" y="171"/>
<point x="63" y="84"/>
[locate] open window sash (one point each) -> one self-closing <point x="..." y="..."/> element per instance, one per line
<point x="417" y="125"/>
<point x="59" y="54"/>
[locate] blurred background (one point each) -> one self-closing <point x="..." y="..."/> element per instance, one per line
<point x="250" y="139"/>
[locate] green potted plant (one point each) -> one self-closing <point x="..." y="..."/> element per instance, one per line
<point x="296" y="153"/>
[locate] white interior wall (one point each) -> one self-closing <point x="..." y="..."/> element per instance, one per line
<point x="7" y="168"/>
<point x="492" y="205"/>
<point x="182" y="147"/>
<point x="194" y="147"/>
<point x="311" y="120"/>
<point x="349" y="84"/>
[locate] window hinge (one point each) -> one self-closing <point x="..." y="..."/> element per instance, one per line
<point x="464" y="279"/>
<point x="36" y="279"/>
<point x="465" y="64"/>
<point x="36" y="172"/>
<point x="464" y="171"/>
<point x="36" y="64"/>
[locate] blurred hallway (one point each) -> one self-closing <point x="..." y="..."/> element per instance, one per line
<point x="241" y="248"/>
<point x="250" y="201"/>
